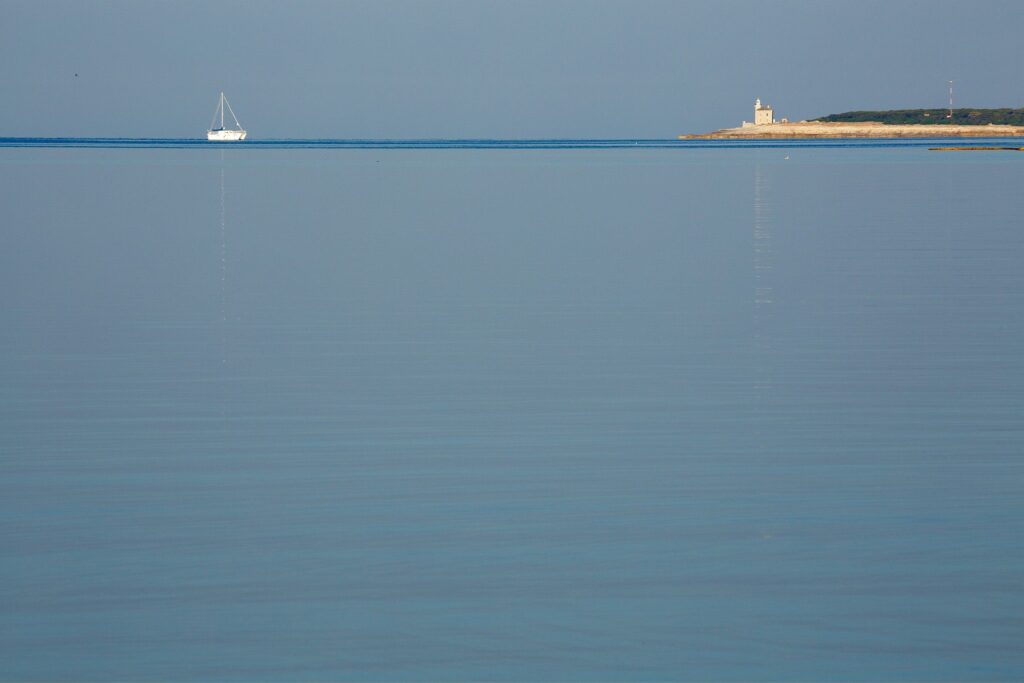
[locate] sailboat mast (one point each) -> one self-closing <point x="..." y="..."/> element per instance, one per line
<point x="222" y="110"/>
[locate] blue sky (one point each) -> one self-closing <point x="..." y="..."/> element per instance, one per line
<point x="456" y="68"/>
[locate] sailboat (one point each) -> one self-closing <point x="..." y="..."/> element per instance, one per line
<point x="220" y="133"/>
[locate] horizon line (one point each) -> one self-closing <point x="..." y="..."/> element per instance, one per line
<point x="11" y="142"/>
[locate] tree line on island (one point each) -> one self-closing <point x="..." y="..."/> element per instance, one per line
<point x="962" y="117"/>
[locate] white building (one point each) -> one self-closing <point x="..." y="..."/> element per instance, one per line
<point x="763" y="115"/>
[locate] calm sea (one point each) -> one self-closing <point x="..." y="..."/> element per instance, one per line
<point x="585" y="413"/>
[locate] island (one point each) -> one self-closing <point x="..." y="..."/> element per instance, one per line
<point x="903" y="123"/>
<point x="933" y="117"/>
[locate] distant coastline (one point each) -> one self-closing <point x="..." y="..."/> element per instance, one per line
<point x="934" y="117"/>
<point x="896" y="123"/>
<point x="866" y="129"/>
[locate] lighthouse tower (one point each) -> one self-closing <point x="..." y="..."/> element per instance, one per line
<point x="762" y="113"/>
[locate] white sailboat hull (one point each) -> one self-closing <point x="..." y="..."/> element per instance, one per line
<point x="225" y="135"/>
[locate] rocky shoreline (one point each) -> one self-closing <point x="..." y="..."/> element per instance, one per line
<point x="820" y="129"/>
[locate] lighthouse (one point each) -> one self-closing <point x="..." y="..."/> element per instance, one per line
<point x="762" y="113"/>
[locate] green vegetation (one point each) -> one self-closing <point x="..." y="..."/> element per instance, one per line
<point x="978" y="117"/>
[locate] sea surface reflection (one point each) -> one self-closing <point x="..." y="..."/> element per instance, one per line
<point x="511" y="414"/>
